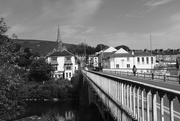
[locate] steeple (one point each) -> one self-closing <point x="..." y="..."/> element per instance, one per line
<point x="59" y="40"/>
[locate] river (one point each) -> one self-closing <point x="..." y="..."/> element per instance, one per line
<point x="63" y="111"/>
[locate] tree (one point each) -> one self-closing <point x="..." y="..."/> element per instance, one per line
<point x="10" y="77"/>
<point x="100" y="47"/>
<point x="3" y="27"/>
<point x="40" y="71"/>
<point x="124" y="47"/>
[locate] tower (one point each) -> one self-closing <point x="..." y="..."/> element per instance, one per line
<point x="59" y="42"/>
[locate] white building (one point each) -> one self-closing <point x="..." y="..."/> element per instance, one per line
<point x="64" y="64"/>
<point x="123" y="60"/>
<point x="105" y="53"/>
<point x="63" y="61"/>
<point x="93" y="61"/>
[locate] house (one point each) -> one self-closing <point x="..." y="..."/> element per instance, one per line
<point x="103" y="54"/>
<point x="64" y="64"/>
<point x="93" y="61"/>
<point x="124" y="60"/>
<point x="63" y="61"/>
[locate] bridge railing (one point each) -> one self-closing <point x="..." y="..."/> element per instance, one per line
<point x="138" y="99"/>
<point x="163" y="77"/>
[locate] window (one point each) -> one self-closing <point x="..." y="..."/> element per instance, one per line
<point x="55" y="67"/>
<point x="68" y="67"/>
<point x="117" y="65"/>
<point x="127" y="58"/>
<point x="128" y="65"/>
<point x="54" y="58"/>
<point x="151" y="59"/>
<point x="69" y="74"/>
<point x="68" y="58"/>
<point x="138" y="60"/>
<point x="66" y="75"/>
<point x="147" y="60"/>
<point x="142" y="60"/>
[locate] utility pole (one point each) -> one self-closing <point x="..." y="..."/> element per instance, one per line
<point x="151" y="52"/>
<point x="85" y="50"/>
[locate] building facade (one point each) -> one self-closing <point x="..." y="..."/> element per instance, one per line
<point x="63" y="61"/>
<point x="93" y="61"/>
<point x="124" y="61"/>
<point x="64" y="64"/>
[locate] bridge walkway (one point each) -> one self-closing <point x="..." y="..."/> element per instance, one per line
<point x="169" y="85"/>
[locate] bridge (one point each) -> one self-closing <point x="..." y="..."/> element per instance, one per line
<point x="129" y="98"/>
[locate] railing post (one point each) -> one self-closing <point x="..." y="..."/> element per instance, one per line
<point x="137" y="74"/>
<point x="171" y="108"/>
<point x="147" y="104"/>
<point x="164" y="77"/>
<point x="152" y="76"/>
<point x="154" y="106"/>
<point x="130" y="97"/>
<point x="127" y="96"/>
<point x="122" y="93"/>
<point x="138" y="114"/>
<point x="134" y="101"/>
<point x="144" y="75"/>
<point x="161" y="95"/>
<point x="179" y="79"/>
<point x="142" y="103"/>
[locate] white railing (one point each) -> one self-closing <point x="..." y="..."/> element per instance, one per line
<point x="128" y="93"/>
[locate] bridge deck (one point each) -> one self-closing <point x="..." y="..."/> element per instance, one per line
<point x="169" y="85"/>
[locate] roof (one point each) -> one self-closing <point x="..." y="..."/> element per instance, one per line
<point x="122" y="55"/>
<point x="121" y="51"/>
<point x="128" y="54"/>
<point x="142" y="53"/>
<point x="61" y="53"/>
<point x="110" y="49"/>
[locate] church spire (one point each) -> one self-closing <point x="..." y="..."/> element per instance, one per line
<point x="59" y="40"/>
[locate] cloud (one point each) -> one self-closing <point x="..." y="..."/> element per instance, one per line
<point x="175" y="18"/>
<point x="68" y="31"/>
<point x="167" y="38"/>
<point x="75" y="11"/>
<point x="154" y="3"/>
<point x="18" y="29"/>
<point x="84" y="9"/>
<point x="89" y="30"/>
<point x="4" y="15"/>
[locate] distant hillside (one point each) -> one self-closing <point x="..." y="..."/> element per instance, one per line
<point x="41" y="46"/>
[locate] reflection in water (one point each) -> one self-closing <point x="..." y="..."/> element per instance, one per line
<point x="69" y="116"/>
<point x="64" y="111"/>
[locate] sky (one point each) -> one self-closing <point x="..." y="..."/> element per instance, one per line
<point x="110" y="22"/>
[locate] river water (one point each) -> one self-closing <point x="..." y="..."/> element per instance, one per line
<point x="64" y="111"/>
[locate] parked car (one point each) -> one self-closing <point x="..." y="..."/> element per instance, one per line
<point x="96" y="69"/>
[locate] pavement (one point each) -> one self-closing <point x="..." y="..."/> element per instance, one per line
<point x="172" y="86"/>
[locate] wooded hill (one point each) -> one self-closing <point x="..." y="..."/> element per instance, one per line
<point x="43" y="47"/>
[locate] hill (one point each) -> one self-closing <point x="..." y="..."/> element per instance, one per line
<point x="43" y="47"/>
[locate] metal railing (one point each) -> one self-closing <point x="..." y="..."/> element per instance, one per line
<point x="153" y="76"/>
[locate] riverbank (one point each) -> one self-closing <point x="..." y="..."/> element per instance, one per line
<point x="50" y="93"/>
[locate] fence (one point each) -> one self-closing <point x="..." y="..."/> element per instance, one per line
<point x="163" y="77"/>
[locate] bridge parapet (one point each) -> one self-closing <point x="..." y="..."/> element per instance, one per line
<point x="142" y="101"/>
